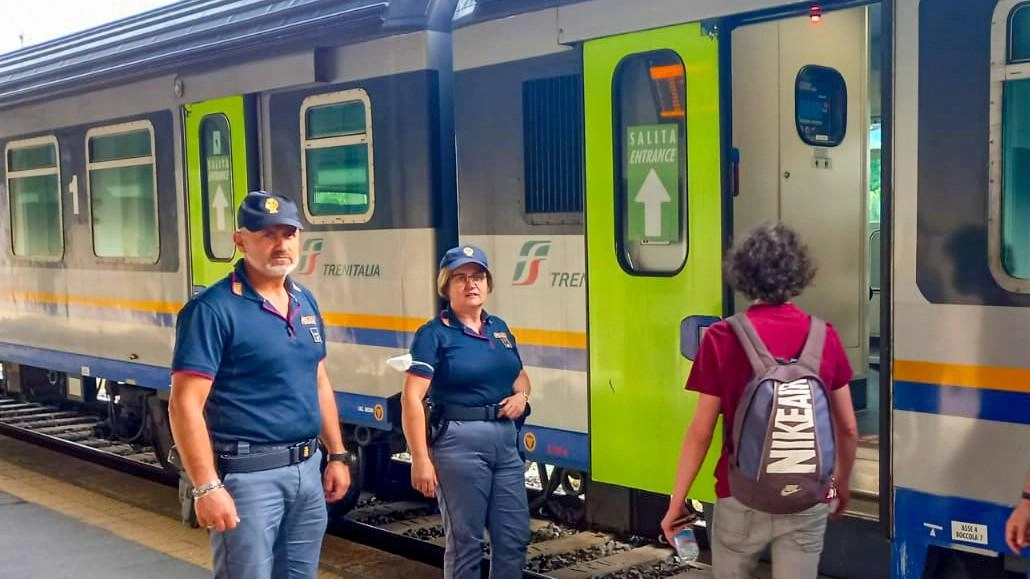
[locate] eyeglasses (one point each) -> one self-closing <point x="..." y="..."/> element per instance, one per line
<point x="477" y="278"/>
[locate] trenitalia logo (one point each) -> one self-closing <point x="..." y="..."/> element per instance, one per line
<point x="527" y="270"/>
<point x="309" y="256"/>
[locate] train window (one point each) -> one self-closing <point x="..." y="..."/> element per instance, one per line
<point x="122" y="185"/>
<point x="34" y="187"/>
<point x="1015" y="186"/>
<point x="1009" y="193"/>
<point x="336" y="165"/>
<point x="1019" y="34"/>
<point x="552" y="110"/>
<point x="820" y="106"/>
<point x="216" y="187"/>
<point x="650" y="175"/>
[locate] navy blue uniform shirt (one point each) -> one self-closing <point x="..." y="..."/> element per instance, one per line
<point x="466" y="368"/>
<point x="264" y="365"/>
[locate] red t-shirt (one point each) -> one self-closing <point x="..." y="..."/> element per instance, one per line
<point x="721" y="367"/>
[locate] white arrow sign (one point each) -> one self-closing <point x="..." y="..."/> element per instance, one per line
<point x="220" y="203"/>
<point x="652" y="194"/>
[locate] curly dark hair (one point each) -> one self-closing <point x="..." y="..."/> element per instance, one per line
<point x="770" y="264"/>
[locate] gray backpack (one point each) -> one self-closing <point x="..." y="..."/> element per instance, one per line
<point x="783" y="447"/>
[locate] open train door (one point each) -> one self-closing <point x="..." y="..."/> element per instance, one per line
<point x="218" y="173"/>
<point x="654" y="231"/>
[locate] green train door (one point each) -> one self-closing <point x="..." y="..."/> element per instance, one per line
<point x="654" y="230"/>
<point x="217" y="180"/>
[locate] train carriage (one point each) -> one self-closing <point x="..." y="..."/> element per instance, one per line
<point x="604" y="153"/>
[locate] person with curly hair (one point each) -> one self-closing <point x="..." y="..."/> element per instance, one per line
<point x="771" y="266"/>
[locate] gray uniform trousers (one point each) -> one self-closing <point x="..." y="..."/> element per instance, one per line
<point x="282" y="522"/>
<point x="482" y="486"/>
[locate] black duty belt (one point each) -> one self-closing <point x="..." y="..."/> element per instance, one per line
<point x="244" y="457"/>
<point x="484" y="413"/>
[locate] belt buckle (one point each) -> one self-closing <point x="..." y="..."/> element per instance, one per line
<point x="306" y="452"/>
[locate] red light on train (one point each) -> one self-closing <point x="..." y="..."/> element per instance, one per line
<point x="815" y="14"/>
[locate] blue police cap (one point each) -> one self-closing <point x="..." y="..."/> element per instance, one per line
<point x="260" y="210"/>
<point x="459" y="256"/>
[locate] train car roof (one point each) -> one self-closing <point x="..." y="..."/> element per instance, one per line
<point x="190" y="33"/>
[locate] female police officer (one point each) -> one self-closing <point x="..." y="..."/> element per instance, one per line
<point x="469" y="361"/>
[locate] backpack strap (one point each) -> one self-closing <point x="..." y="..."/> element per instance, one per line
<point x="757" y="353"/>
<point x="812" y="354"/>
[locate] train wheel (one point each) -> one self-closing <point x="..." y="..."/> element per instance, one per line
<point x="375" y="466"/>
<point x="573" y="483"/>
<point x="160" y="431"/>
<point x="365" y="474"/>
<point x="549" y="482"/>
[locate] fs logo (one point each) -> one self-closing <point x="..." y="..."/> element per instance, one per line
<point x="309" y="256"/>
<point x="527" y="270"/>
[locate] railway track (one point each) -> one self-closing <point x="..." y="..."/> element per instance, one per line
<point x="406" y="526"/>
<point x="78" y="434"/>
<point x="555" y="551"/>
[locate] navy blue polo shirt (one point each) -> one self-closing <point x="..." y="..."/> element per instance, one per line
<point x="466" y="368"/>
<point x="264" y="365"/>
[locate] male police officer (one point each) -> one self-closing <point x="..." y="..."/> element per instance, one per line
<point x="249" y="387"/>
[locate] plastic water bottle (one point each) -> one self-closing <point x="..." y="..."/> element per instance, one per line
<point x="686" y="544"/>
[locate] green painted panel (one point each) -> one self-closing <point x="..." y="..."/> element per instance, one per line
<point x="638" y="408"/>
<point x="216" y="172"/>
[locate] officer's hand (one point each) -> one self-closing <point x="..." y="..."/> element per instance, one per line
<point x="423" y="476"/>
<point x="216" y="511"/>
<point x="335" y="481"/>
<point x="1017" y="529"/>
<point x="512" y="407"/>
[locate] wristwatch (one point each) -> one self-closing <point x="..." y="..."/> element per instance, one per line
<point x="346" y="457"/>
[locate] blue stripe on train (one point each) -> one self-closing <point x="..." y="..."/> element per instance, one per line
<point x="985" y="404"/>
<point x="77" y="364"/>
<point x="549" y="445"/>
<point x="369" y="337"/>
<point x="158" y="377"/>
<point x="370" y="411"/>
<point x="562" y="448"/>
<point x="573" y="359"/>
<point x="553" y="446"/>
<point x="923" y="519"/>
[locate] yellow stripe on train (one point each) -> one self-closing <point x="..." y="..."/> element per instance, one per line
<point x="527" y="336"/>
<point x="967" y="376"/>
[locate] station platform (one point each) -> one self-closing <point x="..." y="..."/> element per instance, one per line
<point x="62" y="517"/>
<point x="30" y="533"/>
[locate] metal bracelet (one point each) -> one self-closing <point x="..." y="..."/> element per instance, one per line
<point x="207" y="488"/>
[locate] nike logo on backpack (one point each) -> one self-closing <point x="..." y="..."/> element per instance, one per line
<point x="789" y="490"/>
